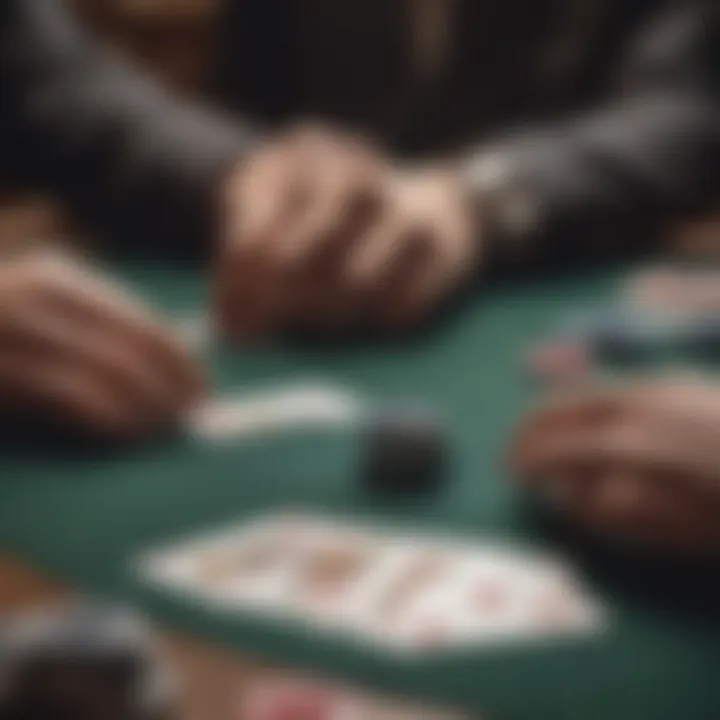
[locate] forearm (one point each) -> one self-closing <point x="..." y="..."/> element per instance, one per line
<point x="134" y="160"/>
<point x="601" y="181"/>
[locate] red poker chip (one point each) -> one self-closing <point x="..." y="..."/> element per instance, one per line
<point x="289" y="700"/>
<point x="560" y="362"/>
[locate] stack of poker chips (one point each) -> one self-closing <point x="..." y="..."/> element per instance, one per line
<point x="620" y="339"/>
<point x="82" y="663"/>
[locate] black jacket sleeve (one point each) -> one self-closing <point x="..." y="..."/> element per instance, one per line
<point x="137" y="163"/>
<point x="607" y="179"/>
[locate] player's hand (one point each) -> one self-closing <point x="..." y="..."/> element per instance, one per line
<point x="323" y="232"/>
<point x="293" y="211"/>
<point x="422" y="249"/>
<point x="641" y="462"/>
<point x="76" y="350"/>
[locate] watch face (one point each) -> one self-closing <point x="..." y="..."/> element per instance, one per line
<point x="513" y="208"/>
<point x="490" y="171"/>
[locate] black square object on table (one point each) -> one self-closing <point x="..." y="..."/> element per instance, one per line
<point x="82" y="663"/>
<point x="405" y="450"/>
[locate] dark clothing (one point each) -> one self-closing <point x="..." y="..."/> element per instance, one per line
<point x="137" y="163"/>
<point x="606" y="109"/>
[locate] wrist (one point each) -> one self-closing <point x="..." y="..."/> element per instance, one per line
<point x="507" y="209"/>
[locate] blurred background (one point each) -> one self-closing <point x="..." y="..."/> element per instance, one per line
<point x="174" y="40"/>
<point x="171" y="39"/>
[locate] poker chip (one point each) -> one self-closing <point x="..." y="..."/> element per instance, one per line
<point x="289" y="700"/>
<point x="75" y="661"/>
<point x="676" y="290"/>
<point x="405" y="450"/>
<point x="621" y="343"/>
<point x="615" y="338"/>
<point x="560" y="362"/>
<point x="657" y="290"/>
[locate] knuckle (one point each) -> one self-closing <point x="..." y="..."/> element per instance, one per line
<point x="310" y="130"/>
<point x="32" y="282"/>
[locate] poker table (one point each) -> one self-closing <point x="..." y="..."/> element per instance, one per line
<point x="83" y="517"/>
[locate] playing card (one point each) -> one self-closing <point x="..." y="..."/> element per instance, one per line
<point x="246" y="566"/>
<point x="505" y="597"/>
<point x="432" y="594"/>
<point x="405" y="592"/>
<point x="257" y="413"/>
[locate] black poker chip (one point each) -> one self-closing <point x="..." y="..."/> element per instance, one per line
<point x="405" y="450"/>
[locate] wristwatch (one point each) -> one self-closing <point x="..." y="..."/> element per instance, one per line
<point x="508" y="209"/>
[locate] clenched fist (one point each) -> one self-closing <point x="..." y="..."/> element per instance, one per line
<point x="322" y="232"/>
<point x="77" y="350"/>
<point x="641" y="462"/>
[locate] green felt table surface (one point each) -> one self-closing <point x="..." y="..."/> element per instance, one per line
<point x="84" y="517"/>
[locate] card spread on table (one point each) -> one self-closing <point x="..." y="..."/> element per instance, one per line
<point x="408" y="592"/>
<point x="284" y="696"/>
